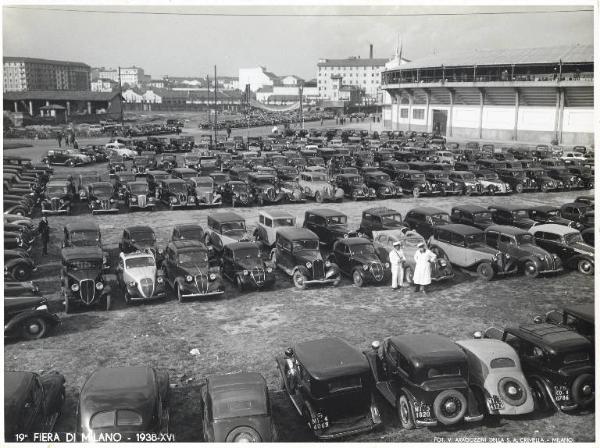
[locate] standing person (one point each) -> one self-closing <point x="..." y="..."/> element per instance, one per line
<point x="397" y="260"/>
<point x="59" y="138"/>
<point x="44" y="231"/>
<point x="321" y="120"/>
<point x="75" y="144"/>
<point x="337" y="120"/>
<point x="228" y="132"/>
<point x="423" y="259"/>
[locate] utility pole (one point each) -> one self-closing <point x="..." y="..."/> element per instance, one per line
<point x="215" y="104"/>
<point x="121" y="96"/>
<point x="301" y="89"/>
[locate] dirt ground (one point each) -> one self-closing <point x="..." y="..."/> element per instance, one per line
<point x="246" y="331"/>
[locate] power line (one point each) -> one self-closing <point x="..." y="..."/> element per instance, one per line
<point x="219" y="14"/>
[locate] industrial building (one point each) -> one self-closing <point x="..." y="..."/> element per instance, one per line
<point x="535" y="94"/>
<point x="26" y="74"/>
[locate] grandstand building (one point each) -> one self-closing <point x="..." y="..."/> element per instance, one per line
<point x="536" y="94"/>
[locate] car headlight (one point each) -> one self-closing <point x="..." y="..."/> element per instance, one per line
<point x="328" y="263"/>
<point x="540" y="257"/>
<point x="160" y="280"/>
<point x="365" y="267"/>
<point x="188" y="278"/>
<point x="269" y="269"/>
<point x="346" y="235"/>
<point x="246" y="272"/>
<point x="443" y="262"/>
<point x="555" y="256"/>
<point x="212" y="276"/>
<point x="308" y="264"/>
<point x="42" y="307"/>
<point x="172" y="200"/>
<point x="75" y="287"/>
<point x="387" y="265"/>
<point x="99" y="285"/>
<point x="131" y="284"/>
<point x="112" y="200"/>
<point x="160" y="250"/>
<point x="133" y="199"/>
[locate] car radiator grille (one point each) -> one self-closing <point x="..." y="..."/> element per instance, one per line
<point x="318" y="269"/>
<point x="258" y="275"/>
<point x="377" y="270"/>
<point x="54" y="204"/>
<point x="87" y="291"/>
<point x="202" y="283"/>
<point x="105" y="204"/>
<point x="182" y="198"/>
<point x="141" y="200"/>
<point x="147" y="287"/>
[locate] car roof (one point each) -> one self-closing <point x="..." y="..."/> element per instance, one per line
<point x="508" y="230"/>
<point x="57" y="183"/>
<point x="187" y="244"/>
<point x="174" y="181"/>
<point x="375" y="173"/>
<point x="241" y="394"/>
<point x="355" y="241"/>
<point x="553" y="338"/>
<point x="325" y="212"/>
<point x="187" y="226"/>
<point x="138" y="182"/>
<point x="135" y="229"/>
<point x="297" y="233"/>
<point x="241" y="378"/>
<point x="463" y="172"/>
<point x="241" y="245"/>
<point x="419" y="347"/>
<point x="461" y="229"/>
<point x="411" y="171"/>
<point x="509" y="207"/>
<point x="184" y="170"/>
<point x="155" y="172"/>
<point x="489" y="349"/>
<point x="275" y="214"/>
<point x="471" y="208"/>
<point x="543" y="208"/>
<point x="101" y="184"/>
<point x="427" y="210"/>
<point x="575" y="204"/>
<point x="16" y="387"/>
<point x="380" y="211"/>
<point x="584" y="311"/>
<point x="553" y="228"/>
<point x="225" y="217"/>
<point x="81" y="224"/>
<point x="330" y="358"/>
<point x="74" y="253"/>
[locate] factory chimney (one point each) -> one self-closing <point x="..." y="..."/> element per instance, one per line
<point x="370" y="51"/>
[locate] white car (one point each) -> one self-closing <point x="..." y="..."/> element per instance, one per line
<point x="316" y="185"/>
<point x="491" y="183"/>
<point x="573" y="155"/>
<point x="120" y="149"/>
<point x="139" y="277"/>
<point x="268" y="224"/>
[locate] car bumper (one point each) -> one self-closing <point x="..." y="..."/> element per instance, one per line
<point x="158" y="295"/>
<point x="552" y="271"/>
<point x="325" y="281"/>
<point x="104" y="210"/>
<point x="339" y="430"/>
<point x="54" y="212"/>
<point x="442" y="277"/>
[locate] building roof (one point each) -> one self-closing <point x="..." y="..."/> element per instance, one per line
<point x="60" y="95"/>
<point x="508" y="56"/>
<point x="352" y="62"/>
<point x="43" y="61"/>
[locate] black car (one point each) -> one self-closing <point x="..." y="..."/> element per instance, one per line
<point x="579" y="212"/>
<point x="120" y="183"/>
<point x="579" y="318"/>
<point x="379" y="218"/>
<point x="101" y="198"/>
<point x="393" y="168"/>
<point x="467" y="181"/>
<point x="83" y="277"/>
<point x="137" y="196"/>
<point x="286" y="172"/>
<point x="354" y="187"/>
<point x="57" y="198"/>
<point x="18" y="265"/>
<point x="166" y="162"/>
<point x="543" y="181"/>
<point x="557" y="362"/>
<point x="243" y="266"/>
<point x="511" y="215"/>
<point x="82" y="233"/>
<point x="27" y="317"/>
<point x="424" y="219"/>
<point x="561" y="174"/>
<point x="441" y="184"/>
<point x="140" y="238"/>
<point x="297" y="254"/>
<point x="472" y="215"/>
<point x="413" y="182"/>
<point x="584" y="174"/>
<point x="568" y="244"/>
<point x="548" y="214"/>
<point x="328" y="224"/>
<point x="32" y="404"/>
<point x="329" y="384"/>
<point x="237" y="193"/>
<point x="143" y="164"/>
<point x="138" y="403"/>
<point x="357" y="258"/>
<point x="176" y="193"/>
<point x="187" y="232"/>
<point x="154" y="179"/>
<point x="265" y="188"/>
<point x="518" y="180"/>
<point x="382" y="184"/>
<point x="188" y="272"/>
<point x="426" y="378"/>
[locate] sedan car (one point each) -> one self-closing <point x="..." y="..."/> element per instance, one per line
<point x="139" y="278"/>
<point x="568" y="244"/>
<point x="27" y="317"/>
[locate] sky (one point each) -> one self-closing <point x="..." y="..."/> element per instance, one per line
<point x="190" y="45"/>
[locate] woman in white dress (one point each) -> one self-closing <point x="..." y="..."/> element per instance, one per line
<point x="423" y="259"/>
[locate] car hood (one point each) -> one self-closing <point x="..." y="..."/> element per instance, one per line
<point x="140" y="273"/>
<point x="84" y="274"/>
<point x="484" y="248"/>
<point x="102" y="197"/>
<point x="308" y="255"/>
<point x="366" y="259"/>
<point x="338" y="228"/>
<point x="524" y="222"/>
<point x="23" y="303"/>
<point x="583" y="248"/>
<point x="250" y="263"/>
<point x="534" y="250"/>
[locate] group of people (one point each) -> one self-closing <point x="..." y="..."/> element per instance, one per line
<point x="422" y="274"/>
<point x="69" y="138"/>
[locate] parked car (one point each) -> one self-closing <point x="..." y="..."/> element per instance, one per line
<point x="32" y="404"/>
<point x="183" y="173"/>
<point x="511" y="215"/>
<point x="188" y="272"/>
<point x="140" y="238"/>
<point x="584" y="174"/>
<point x="588" y="200"/>
<point x="187" y="232"/>
<point x="517" y="180"/>
<point x="269" y="222"/>
<point x="467" y="181"/>
<point x="465" y="246"/>
<point x="492" y="184"/>
<point x="471" y="215"/>
<point x="66" y="157"/>
<point x="357" y="258"/>
<point x="84" y="279"/>
<point x="423" y="220"/>
<point x="441" y="184"/>
<point x="578" y="212"/>
<point x="328" y="224"/>
<point x="544" y="182"/>
<point x="328" y="382"/>
<point x="382" y="184"/>
<point x="204" y="191"/>
<point x="379" y="218"/>
<point x="579" y="318"/>
<point x="137" y="196"/>
<point x="84" y="180"/>
<point x="316" y="185"/>
<point x="236" y="408"/>
<point x="20" y="289"/>
<point x="57" y="199"/>
<point x="557" y="362"/>
<point x="425" y="377"/>
<point x="166" y="162"/>
<point x="142" y="164"/>
<point x="520" y="245"/>
<point x="354" y="187"/>
<point x="176" y="193"/>
<point x="568" y="244"/>
<point x="265" y="188"/>
<point x="18" y="265"/>
<point x="548" y="214"/>
<point x="413" y="182"/>
<point x="237" y="193"/>
<point x="154" y="179"/>
<point x="225" y="228"/>
<point x="82" y="233"/>
<point x="138" y="403"/>
<point x="244" y="267"/>
<point x="561" y="174"/>
<point x="101" y="198"/>
<point x="27" y="317"/>
<point x="297" y="254"/>
<point x="139" y="278"/>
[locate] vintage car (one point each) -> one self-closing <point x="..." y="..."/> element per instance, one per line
<point x="237" y="193"/>
<point x="511" y="215"/>
<point x="496" y="378"/>
<point x="413" y="182"/>
<point x="236" y="408"/>
<point x="384" y="241"/>
<point x="57" y="199"/>
<point x="517" y="180"/>
<point x="317" y="186"/>
<point x="21" y="289"/>
<point x="84" y="180"/>
<point x="520" y="245"/>
<point x="568" y="244"/>
<point x="32" y="404"/>
<point x="492" y="184"/>
<point x="83" y="279"/>
<point x="188" y="272"/>
<point x="243" y="266"/>
<point x="287" y="173"/>
<point x="138" y="403"/>
<point x="120" y="183"/>
<point x="585" y="175"/>
<point x="176" y="193"/>
<point x="548" y="214"/>
<point x="166" y="162"/>
<point x="139" y="238"/>
<point x="66" y="157"/>
<point x="465" y="246"/>
<point x="15" y="240"/>
<point x="329" y="384"/>
<point x="382" y="184"/>
<point x="18" y="265"/>
<point x="297" y="254"/>
<point x="291" y="191"/>
<point x="139" y="278"/>
<point x="143" y="164"/>
<point x="379" y="218"/>
<point x="578" y="212"/>
<point x="269" y="222"/>
<point x="424" y="219"/>
<point x="27" y="317"/>
<point x="137" y="196"/>
<point x="543" y="181"/>
<point x="441" y="184"/>
<point x="191" y="161"/>
<point x="183" y="173"/>
<point x="557" y="362"/>
<point x="467" y="181"/>
<point x="154" y="179"/>
<point x="82" y="233"/>
<point x="329" y="225"/>
<point x="586" y="199"/>
<point x="426" y="378"/>
<point x="579" y="318"/>
<point x="471" y="215"/>
<point x="101" y="198"/>
<point x="265" y="188"/>
<point x="204" y="191"/>
<point x="354" y="187"/>
<point x="187" y="232"/>
<point x="225" y="228"/>
<point x="357" y="258"/>
<point x="561" y="174"/>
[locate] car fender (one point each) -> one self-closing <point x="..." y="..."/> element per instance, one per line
<point x="533" y="259"/>
<point x="13" y="323"/>
<point x="17" y="261"/>
<point x="302" y="269"/>
<point x="573" y="260"/>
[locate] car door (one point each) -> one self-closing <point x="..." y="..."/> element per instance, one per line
<point x="508" y="244"/>
<point x="125" y="242"/>
<point x="341" y="255"/>
<point x="228" y="270"/>
<point x="33" y="412"/>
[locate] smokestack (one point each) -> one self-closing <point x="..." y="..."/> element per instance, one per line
<point x="370" y="51"/>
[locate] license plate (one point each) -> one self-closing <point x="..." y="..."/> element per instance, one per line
<point x="495" y="403"/>
<point x="422" y="411"/>
<point x="561" y="393"/>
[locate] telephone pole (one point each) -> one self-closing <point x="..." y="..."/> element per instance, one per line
<point x="121" y="96"/>
<point x="215" y="104"/>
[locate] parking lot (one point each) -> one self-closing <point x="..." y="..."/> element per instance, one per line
<point x="245" y="331"/>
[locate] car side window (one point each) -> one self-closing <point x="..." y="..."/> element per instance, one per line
<point x="491" y="239"/>
<point x="268" y="222"/>
<point x="261" y="219"/>
<point x="552" y="237"/>
<point x="444" y="236"/>
<point x="505" y="239"/>
<point x="457" y="239"/>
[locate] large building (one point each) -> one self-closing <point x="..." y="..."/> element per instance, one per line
<point x="133" y="76"/>
<point x="26" y="74"/>
<point x="535" y="94"/>
<point x="256" y="77"/>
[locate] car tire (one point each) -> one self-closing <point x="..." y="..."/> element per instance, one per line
<point x="416" y="192"/>
<point x="21" y="272"/>
<point x="34" y="328"/>
<point x="318" y="197"/>
<point x="530" y="269"/>
<point x="485" y="270"/>
<point x="239" y="284"/>
<point x="357" y="279"/>
<point x="585" y="266"/>
<point x="178" y="293"/>
<point x="299" y="280"/>
<point x="71" y="163"/>
<point x="458" y="399"/>
<point x="544" y="188"/>
<point x="405" y="413"/>
<point x="519" y="188"/>
<point x="467" y="191"/>
<point x="582" y="381"/>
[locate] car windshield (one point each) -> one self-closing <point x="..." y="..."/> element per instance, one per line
<point x="300" y="245"/>
<point x="89" y="237"/>
<point x="139" y="262"/>
<point x="446" y="370"/>
<point x="363" y="249"/>
<point x="103" y="190"/>
<point x="143" y="237"/>
<point x="82" y="265"/>
<point x="525" y="238"/>
<point x="235" y="226"/>
<point x="382" y="178"/>
<point x="141" y="160"/>
<point x="342" y="219"/>
<point x="138" y="188"/>
<point x="239" y="187"/>
<point x="475" y="239"/>
<point x="417" y="176"/>
<point x="482" y="217"/>
<point x="158" y="177"/>
<point x="490" y="176"/>
<point x="191" y="234"/>
<point x="520" y="214"/>
<point x="394" y="219"/>
<point x="438" y="175"/>
<point x="572" y="238"/>
<point x="205" y="183"/>
<point x="318" y="178"/>
<point x="440" y="219"/>
<point x="177" y="187"/>
<point x="196" y="258"/>
<point x="283" y="222"/>
<point x="55" y="191"/>
<point x="247" y="252"/>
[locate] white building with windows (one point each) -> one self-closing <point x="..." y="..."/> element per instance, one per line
<point x="362" y="73"/>
<point x="256" y="77"/>
<point x="133" y="76"/>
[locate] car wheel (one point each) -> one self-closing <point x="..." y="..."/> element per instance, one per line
<point x="34" y="328"/>
<point x="485" y="271"/>
<point x="357" y="279"/>
<point x="519" y="188"/>
<point x="107" y="302"/>
<point x="337" y="280"/>
<point x="583" y="389"/>
<point x="239" y="284"/>
<point x="21" y="272"/>
<point x="467" y="192"/>
<point x="299" y="280"/>
<point x="585" y="267"/>
<point x="530" y="269"/>
<point x="318" y="197"/>
<point x="178" y="293"/>
<point x="450" y="406"/>
<point x="416" y="192"/>
<point x="233" y="202"/>
<point x="127" y="298"/>
<point x="405" y="413"/>
<point x="68" y="307"/>
<point x="540" y="399"/>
